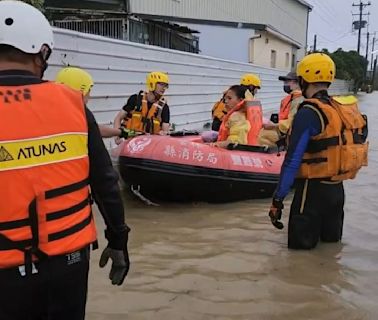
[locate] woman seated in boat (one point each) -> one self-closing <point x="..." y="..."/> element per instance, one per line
<point x="243" y="122"/>
<point x="235" y="126"/>
<point x="250" y="81"/>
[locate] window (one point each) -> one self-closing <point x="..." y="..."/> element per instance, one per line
<point x="287" y="59"/>
<point x="273" y="58"/>
<point x="293" y="62"/>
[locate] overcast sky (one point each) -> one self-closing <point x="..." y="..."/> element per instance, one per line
<point x="332" y="21"/>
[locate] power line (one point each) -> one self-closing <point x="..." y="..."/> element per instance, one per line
<point x="325" y="41"/>
<point x="325" y="20"/>
<point x="342" y="36"/>
<point x="325" y="38"/>
<point x="287" y="12"/>
<point x="326" y="13"/>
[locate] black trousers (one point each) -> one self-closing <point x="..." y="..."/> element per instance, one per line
<point x="57" y="292"/>
<point x="316" y="213"/>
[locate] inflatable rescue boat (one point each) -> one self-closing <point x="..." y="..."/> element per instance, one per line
<point x="183" y="168"/>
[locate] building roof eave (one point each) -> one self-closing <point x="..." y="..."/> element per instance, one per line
<point x="242" y="25"/>
<point x="282" y="36"/>
<point x="306" y="4"/>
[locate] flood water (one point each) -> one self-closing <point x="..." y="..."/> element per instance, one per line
<point x="202" y="261"/>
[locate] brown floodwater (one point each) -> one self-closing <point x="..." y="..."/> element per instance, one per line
<point x="201" y="261"/>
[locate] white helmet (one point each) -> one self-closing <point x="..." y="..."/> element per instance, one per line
<point x="24" y="27"/>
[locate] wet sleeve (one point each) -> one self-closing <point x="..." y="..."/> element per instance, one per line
<point x="131" y="103"/>
<point x="165" y="114"/>
<point x="306" y="125"/>
<point x="103" y="180"/>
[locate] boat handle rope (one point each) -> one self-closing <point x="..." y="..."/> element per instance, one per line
<point x="136" y="191"/>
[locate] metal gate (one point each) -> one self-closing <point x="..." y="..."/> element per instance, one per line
<point x="111" y="28"/>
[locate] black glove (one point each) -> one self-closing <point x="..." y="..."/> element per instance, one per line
<point x="120" y="260"/>
<point x="275" y="213"/>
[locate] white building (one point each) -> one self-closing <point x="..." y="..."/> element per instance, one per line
<point x="270" y="33"/>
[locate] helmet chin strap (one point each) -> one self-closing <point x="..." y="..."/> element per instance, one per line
<point x="304" y="86"/>
<point x="44" y="55"/>
<point x="157" y="96"/>
<point x="44" y="67"/>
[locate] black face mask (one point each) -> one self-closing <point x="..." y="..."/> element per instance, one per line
<point x="287" y="88"/>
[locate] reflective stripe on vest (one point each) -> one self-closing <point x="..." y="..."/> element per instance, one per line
<point x="28" y="153"/>
<point x="44" y="168"/>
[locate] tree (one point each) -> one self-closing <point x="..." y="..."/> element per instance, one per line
<point x="36" y="3"/>
<point x="349" y="65"/>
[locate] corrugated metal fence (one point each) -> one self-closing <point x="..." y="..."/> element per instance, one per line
<point x="119" y="69"/>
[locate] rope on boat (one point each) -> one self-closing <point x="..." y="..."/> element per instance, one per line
<point x="136" y="191"/>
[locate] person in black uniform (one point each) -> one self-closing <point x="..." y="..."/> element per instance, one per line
<point x="326" y="132"/>
<point x="147" y="112"/>
<point x="49" y="282"/>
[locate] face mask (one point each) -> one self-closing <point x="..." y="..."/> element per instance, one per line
<point x="287" y="88"/>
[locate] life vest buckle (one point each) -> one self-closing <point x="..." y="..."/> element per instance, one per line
<point x="22" y="270"/>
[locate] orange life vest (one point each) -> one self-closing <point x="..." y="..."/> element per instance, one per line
<point x="340" y="150"/>
<point x="44" y="167"/>
<point x="219" y="110"/>
<point x="253" y="115"/>
<point x="142" y="118"/>
<point x="255" y="118"/>
<point x="286" y="103"/>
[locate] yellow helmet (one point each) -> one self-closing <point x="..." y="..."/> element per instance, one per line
<point x="75" y="78"/>
<point x="316" y="67"/>
<point x="250" y="79"/>
<point x="156" y="77"/>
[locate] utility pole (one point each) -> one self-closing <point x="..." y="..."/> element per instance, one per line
<point x="367" y="47"/>
<point x="314" y="48"/>
<point x="373" y="77"/>
<point x="361" y="6"/>
<point x="372" y="49"/>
